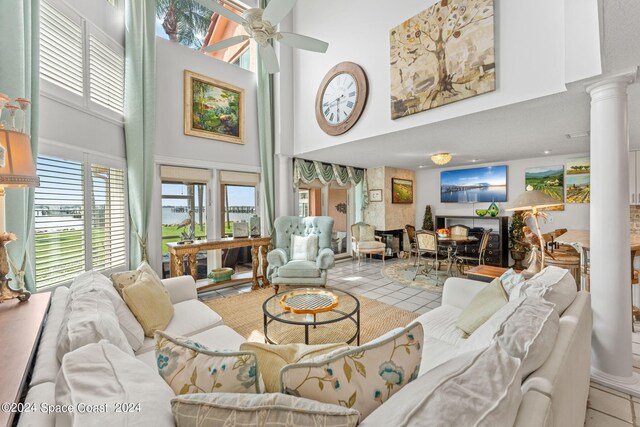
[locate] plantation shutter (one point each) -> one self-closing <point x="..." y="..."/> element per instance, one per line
<point x="60" y="49"/>
<point x="107" y="218"/>
<point x="106" y="75"/>
<point x="59" y="221"/>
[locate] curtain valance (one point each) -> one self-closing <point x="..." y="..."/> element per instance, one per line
<point x="307" y="171"/>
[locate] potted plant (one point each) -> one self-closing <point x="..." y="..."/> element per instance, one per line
<point x="516" y="236"/>
<point x="427" y="220"/>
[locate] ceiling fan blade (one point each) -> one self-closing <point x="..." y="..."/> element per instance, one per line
<point x="226" y="43"/>
<point x="303" y="42"/>
<point x="276" y="10"/>
<point x="218" y="8"/>
<point x="269" y="58"/>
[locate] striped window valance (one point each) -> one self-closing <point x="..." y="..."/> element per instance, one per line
<point x="307" y="171"/>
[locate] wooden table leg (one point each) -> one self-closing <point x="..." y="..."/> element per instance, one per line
<point x="254" y="264"/>
<point x="178" y="265"/>
<point x="265" y="265"/>
<point x="193" y="266"/>
<point x="172" y="266"/>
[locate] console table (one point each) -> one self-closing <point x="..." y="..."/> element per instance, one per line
<point x="19" y="334"/>
<point x="259" y="248"/>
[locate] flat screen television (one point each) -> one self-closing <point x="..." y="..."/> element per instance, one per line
<point x="475" y="185"/>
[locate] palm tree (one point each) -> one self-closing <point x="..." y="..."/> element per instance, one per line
<point x="184" y="20"/>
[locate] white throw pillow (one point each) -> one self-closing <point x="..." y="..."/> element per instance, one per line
<point x="360" y="378"/>
<point x="527" y="330"/>
<point x="304" y="248"/>
<point x="480" y="388"/>
<point x="90" y="318"/>
<point x="511" y="282"/>
<point x="101" y="376"/>
<point x="269" y="409"/>
<point x="92" y="280"/>
<point x="555" y="285"/>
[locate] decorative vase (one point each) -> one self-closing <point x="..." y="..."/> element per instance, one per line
<point x="493" y="209"/>
<point x="518" y="257"/>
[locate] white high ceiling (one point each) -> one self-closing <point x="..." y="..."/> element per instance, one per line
<point x="518" y="131"/>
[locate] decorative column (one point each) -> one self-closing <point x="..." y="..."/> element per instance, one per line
<point x="611" y="360"/>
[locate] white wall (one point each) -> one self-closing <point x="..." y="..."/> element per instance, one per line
<point x="530" y="60"/>
<point x="171" y="61"/>
<point x="574" y="216"/>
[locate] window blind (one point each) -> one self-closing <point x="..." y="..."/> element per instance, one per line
<point x="106" y="75"/>
<point x="60" y="49"/>
<point x="107" y="218"/>
<point x="59" y="221"/>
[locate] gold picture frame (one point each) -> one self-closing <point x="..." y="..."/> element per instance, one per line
<point x="213" y="109"/>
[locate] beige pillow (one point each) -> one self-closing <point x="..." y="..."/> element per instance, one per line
<point x="149" y="301"/>
<point x="304" y="248"/>
<point x="482" y="307"/>
<point x="271" y="358"/>
<point x="190" y="367"/>
<point x="126" y="278"/>
<point x="271" y="409"/>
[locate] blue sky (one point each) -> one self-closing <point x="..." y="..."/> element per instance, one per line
<point x="238" y="196"/>
<point x="494" y="175"/>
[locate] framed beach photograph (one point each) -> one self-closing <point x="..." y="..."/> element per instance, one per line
<point x="213" y="109"/>
<point x="474" y="185"/>
<point x="549" y="180"/>
<point x="375" y="195"/>
<point x="401" y="190"/>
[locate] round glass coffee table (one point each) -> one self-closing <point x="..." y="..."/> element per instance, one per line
<point x="339" y="323"/>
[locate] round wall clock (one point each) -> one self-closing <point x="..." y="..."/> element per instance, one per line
<point x="341" y="98"/>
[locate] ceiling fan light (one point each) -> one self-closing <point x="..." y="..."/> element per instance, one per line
<point x="441" y="159"/>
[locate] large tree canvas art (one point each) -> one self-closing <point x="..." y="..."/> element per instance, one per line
<point x="442" y="55"/>
<point x="213" y="109"/>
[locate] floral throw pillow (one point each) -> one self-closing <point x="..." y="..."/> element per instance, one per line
<point x="190" y="367"/>
<point x="361" y="378"/>
<point x="512" y="282"/>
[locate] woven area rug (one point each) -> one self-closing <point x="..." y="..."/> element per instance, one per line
<point x="403" y="273"/>
<point x="243" y="313"/>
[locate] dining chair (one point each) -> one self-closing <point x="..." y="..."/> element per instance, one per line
<point x="429" y="250"/>
<point x="586" y="269"/>
<point x="459" y="230"/>
<point x="413" y="250"/>
<point x="479" y="257"/>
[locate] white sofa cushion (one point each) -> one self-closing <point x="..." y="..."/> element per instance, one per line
<point x="91" y="280"/>
<point x="189" y="367"/>
<point x="47" y="364"/>
<point x="270" y="409"/>
<point x="361" y="378"/>
<point x="101" y="374"/>
<point x="554" y="284"/>
<point x="41" y="394"/>
<point x="527" y="330"/>
<point x="90" y="317"/>
<point x="437" y="352"/>
<point x="219" y="338"/>
<point x="480" y="388"/>
<point x="440" y="323"/>
<point x="189" y="318"/>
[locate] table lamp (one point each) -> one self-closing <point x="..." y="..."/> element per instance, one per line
<point x="531" y="201"/>
<point x="16" y="170"/>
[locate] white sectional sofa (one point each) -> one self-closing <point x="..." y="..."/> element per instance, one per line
<point x="553" y="395"/>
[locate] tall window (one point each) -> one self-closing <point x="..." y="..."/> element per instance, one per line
<point x="239" y="205"/>
<point x="183" y="212"/>
<point x="79" y="219"/>
<point x="78" y="62"/>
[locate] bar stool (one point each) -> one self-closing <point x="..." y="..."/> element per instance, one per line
<point x="568" y="258"/>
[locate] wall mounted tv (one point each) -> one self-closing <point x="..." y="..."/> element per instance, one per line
<point x="476" y="185"/>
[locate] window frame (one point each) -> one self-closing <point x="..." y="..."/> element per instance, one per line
<point x="89" y="158"/>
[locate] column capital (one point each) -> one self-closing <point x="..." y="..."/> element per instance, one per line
<point x="626" y="77"/>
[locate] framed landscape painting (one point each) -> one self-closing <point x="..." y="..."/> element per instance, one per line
<point x="213" y="109"/>
<point x="549" y="180"/>
<point x="578" y="180"/>
<point x="401" y="190"/>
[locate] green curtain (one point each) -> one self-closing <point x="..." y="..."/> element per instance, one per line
<point x="266" y="136"/>
<point x="139" y="119"/>
<point x="19" y="78"/>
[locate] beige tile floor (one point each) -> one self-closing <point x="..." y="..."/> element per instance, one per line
<point x="605" y="407"/>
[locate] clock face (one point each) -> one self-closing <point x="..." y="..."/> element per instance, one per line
<point x="339" y="98"/>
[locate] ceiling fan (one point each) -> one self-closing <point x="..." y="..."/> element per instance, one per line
<point x="261" y="25"/>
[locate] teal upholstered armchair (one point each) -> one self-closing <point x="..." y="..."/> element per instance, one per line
<point x="308" y="272"/>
